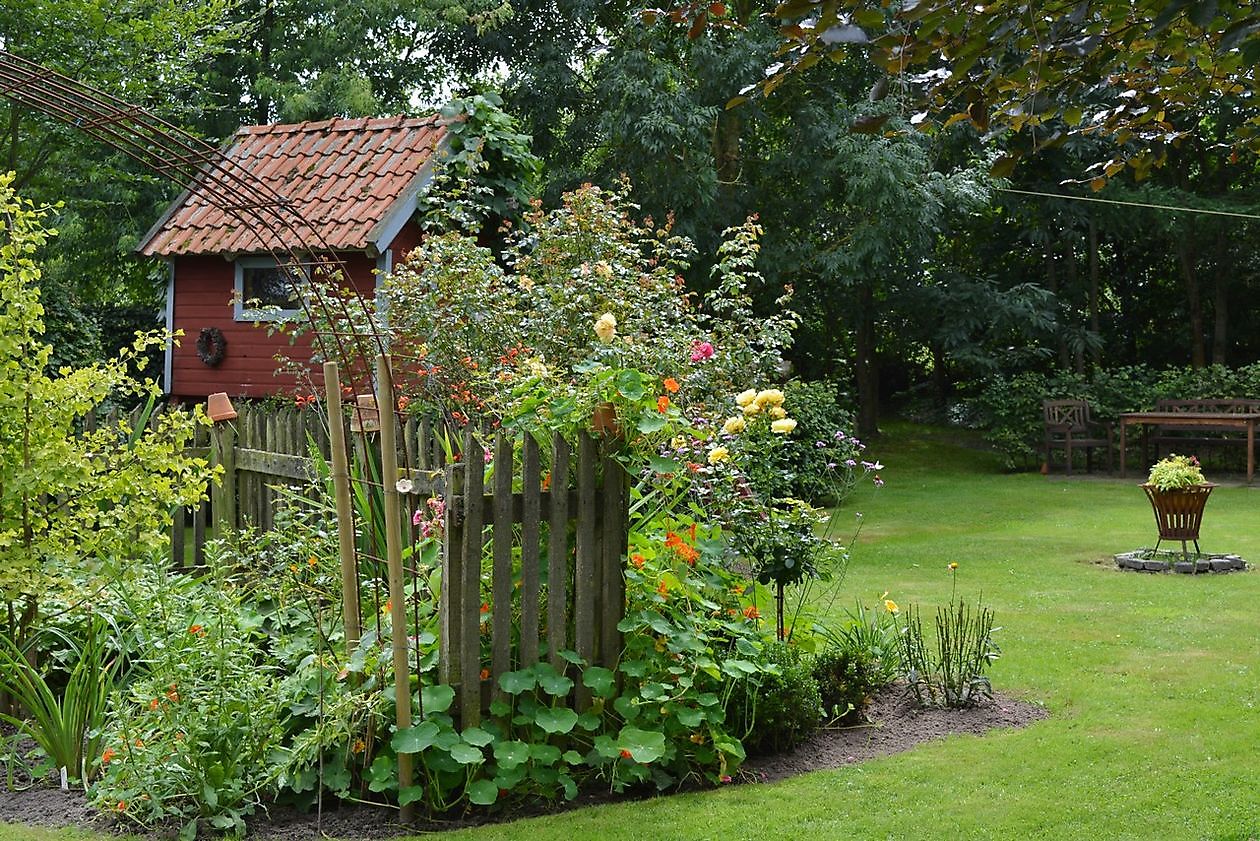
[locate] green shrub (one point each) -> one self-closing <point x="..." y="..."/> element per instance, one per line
<point x="860" y="657"/>
<point x="777" y="710"/>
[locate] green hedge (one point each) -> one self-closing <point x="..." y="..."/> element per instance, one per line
<point x="1009" y="409"/>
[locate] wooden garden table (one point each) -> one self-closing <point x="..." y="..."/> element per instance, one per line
<point x="1205" y="419"/>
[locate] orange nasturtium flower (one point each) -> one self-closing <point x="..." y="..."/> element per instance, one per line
<point x="638" y="560"/>
<point x="751" y="612"/>
<point x="662" y="404"/>
<point x="485" y="674"/>
<point x="671" y="385"/>
<point x="107" y="756"/>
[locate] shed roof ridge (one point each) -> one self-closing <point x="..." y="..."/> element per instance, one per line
<point x="395" y="121"/>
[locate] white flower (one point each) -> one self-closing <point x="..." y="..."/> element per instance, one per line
<point x="606" y="327"/>
<point x="404" y="486"/>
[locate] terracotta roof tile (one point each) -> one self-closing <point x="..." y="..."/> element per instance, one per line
<point x="344" y="176"/>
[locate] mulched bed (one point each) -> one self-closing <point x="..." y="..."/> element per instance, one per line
<point x="896" y="725"/>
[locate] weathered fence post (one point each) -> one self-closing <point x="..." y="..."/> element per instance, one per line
<point x="393" y="558"/>
<point x="345" y="510"/>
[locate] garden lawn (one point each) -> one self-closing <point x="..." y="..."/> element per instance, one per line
<point x="1152" y="681"/>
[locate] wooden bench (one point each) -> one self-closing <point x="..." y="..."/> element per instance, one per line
<point x="1180" y="437"/>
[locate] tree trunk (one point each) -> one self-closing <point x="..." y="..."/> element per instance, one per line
<point x="1052" y="283"/>
<point x="1198" y="358"/>
<point x="1073" y="284"/>
<point x="865" y="368"/>
<point x="940" y="376"/>
<point x="1220" y="302"/>
<point x="1095" y="319"/>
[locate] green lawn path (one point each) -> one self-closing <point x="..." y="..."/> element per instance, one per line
<point x="1152" y="682"/>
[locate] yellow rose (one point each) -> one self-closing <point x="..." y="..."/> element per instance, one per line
<point x="718" y="455"/>
<point x="744" y="398"/>
<point x="783" y="426"/>
<point x="778" y="412"/>
<point x="606" y="327"/>
<point x="770" y="397"/>
<point x="751" y="409"/>
<point x="733" y="426"/>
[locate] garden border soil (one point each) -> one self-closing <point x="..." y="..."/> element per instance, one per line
<point x="896" y="724"/>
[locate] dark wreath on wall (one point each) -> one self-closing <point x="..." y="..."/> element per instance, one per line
<point x="211" y="346"/>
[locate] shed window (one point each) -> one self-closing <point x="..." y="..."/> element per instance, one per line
<point x="266" y="291"/>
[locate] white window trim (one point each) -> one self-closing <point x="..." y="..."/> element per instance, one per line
<point x="244" y="313"/>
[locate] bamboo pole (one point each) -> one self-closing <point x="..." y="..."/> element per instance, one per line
<point x="345" y="508"/>
<point x="393" y="557"/>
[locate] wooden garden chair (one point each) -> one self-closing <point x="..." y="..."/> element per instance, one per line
<point x="1068" y="427"/>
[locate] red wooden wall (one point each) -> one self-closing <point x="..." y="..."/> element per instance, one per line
<point x="203" y="298"/>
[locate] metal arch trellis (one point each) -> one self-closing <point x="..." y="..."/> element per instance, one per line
<point x="205" y="171"/>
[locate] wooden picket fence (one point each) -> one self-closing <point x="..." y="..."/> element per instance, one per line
<point x="540" y="544"/>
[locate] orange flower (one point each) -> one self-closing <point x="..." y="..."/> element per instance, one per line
<point x="546" y="483"/>
<point x="107" y="756"/>
<point x="485" y="674"/>
<point x="662" y="588"/>
<point x="662" y="404"/>
<point x="638" y="560"/>
<point x="153" y="705"/>
<point x="625" y="754"/>
<point x="359" y="746"/>
<point x="172" y="695"/>
<point x="122" y="806"/>
<point x="671" y="385"/>
<point x="691" y="532"/>
<point x="402" y="403"/>
<point x="751" y="612"/>
<point x="197" y="630"/>
<point x="139" y="743"/>
<point x="485" y="607"/>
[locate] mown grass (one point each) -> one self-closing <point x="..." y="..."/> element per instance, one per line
<point x="1152" y="682"/>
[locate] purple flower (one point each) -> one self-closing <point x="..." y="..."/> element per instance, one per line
<point x="820" y="444"/>
<point x="840" y="435"/>
<point x="831" y="465"/>
<point x="848" y="462"/>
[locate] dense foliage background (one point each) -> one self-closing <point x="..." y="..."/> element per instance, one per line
<point x="918" y="273"/>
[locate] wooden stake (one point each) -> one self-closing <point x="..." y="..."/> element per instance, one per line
<point x="345" y="508"/>
<point x="393" y="557"/>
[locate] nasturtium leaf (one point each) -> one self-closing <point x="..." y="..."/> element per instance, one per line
<point x="483" y="793"/>
<point x="652" y="422"/>
<point x="735" y="667"/>
<point x="514" y="683"/>
<point x="572" y="757"/>
<point x="411" y="794"/>
<point x="661" y="464"/>
<point x="644" y="745"/>
<point x="688" y="717"/>
<point x="606" y="746"/>
<point x="544" y="753"/>
<point x="478" y="737"/>
<point x="630" y="385"/>
<point x="437" y="699"/>
<point x="511" y="754"/>
<point x="556" y="719"/>
<point x="510" y="778"/>
<point x="500" y="708"/>
<point x="629" y="710"/>
<point x="415" y="739"/>
<point x="707" y="699"/>
<point x="599" y="680"/>
<point x="570" y="787"/>
<point x="571" y="656"/>
<point x="589" y="722"/>
<point x="555" y="684"/>
<point x="466" y="754"/>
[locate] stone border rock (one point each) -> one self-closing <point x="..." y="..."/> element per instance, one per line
<point x="1218" y="562"/>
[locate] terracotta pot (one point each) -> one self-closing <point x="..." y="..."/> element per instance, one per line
<point x="219" y="407"/>
<point x="604" y="421"/>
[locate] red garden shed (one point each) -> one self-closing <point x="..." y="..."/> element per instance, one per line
<point x="356" y="181"/>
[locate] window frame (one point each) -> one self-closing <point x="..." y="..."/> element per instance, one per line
<point x="241" y="312"/>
